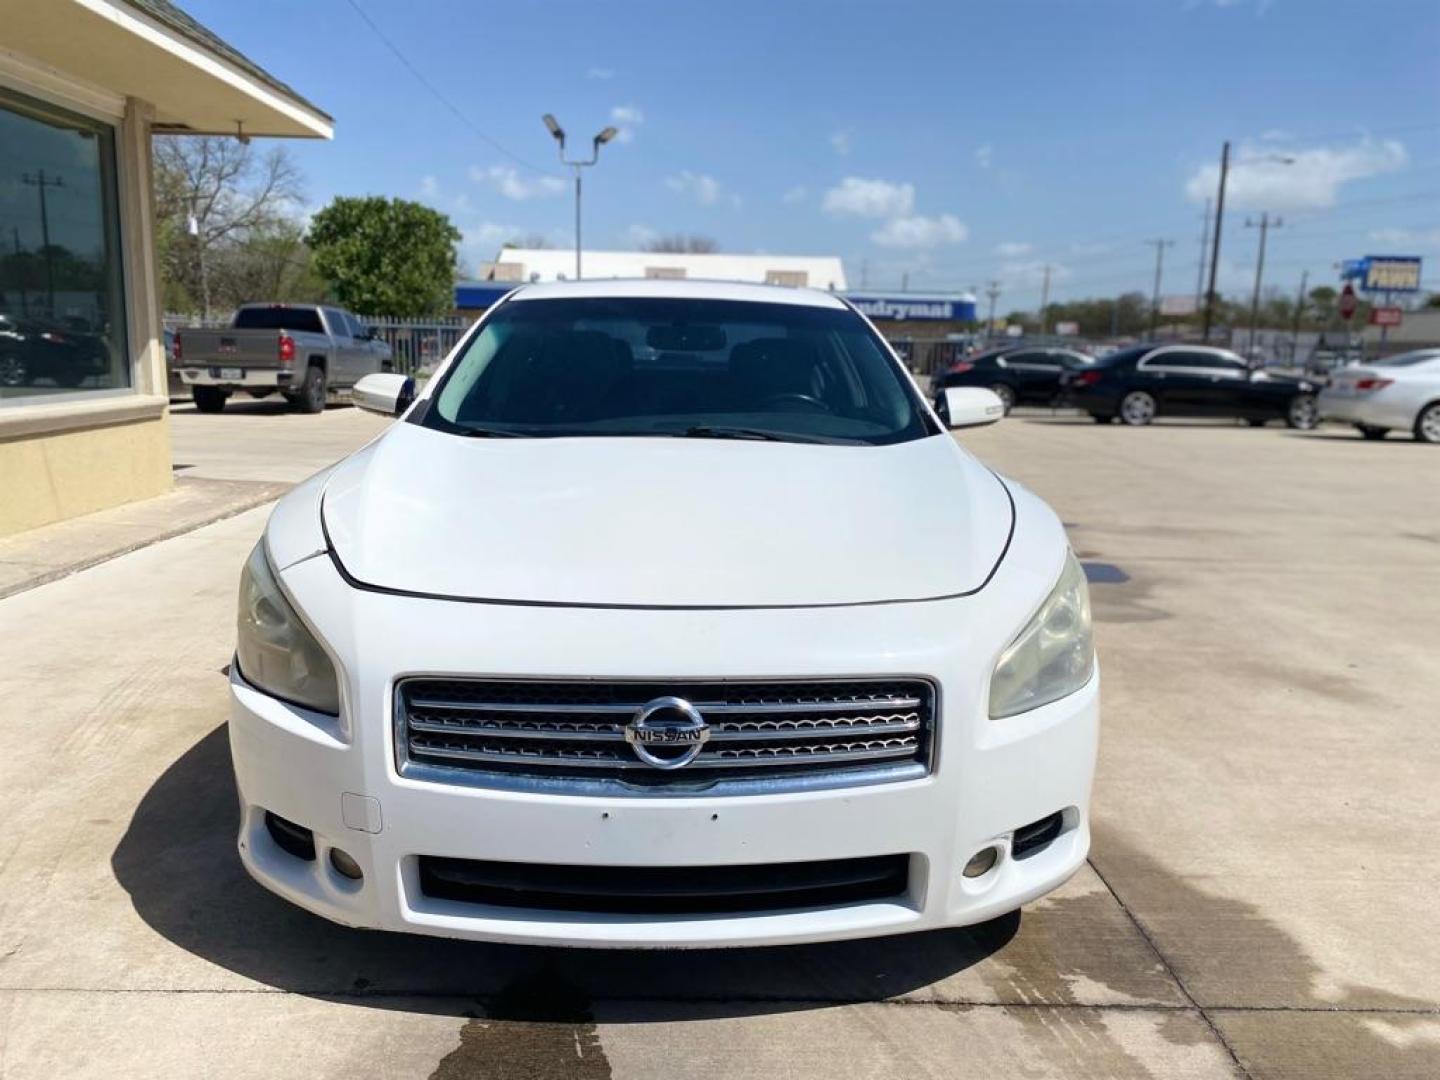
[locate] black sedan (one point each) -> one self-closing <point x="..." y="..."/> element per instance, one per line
<point x="33" y="349"/>
<point x="1019" y="374"/>
<point x="1140" y="383"/>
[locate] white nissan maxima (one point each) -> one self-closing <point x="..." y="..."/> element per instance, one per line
<point x="667" y="615"/>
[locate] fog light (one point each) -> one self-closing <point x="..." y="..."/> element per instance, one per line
<point x="345" y="865"/>
<point x="981" y="862"/>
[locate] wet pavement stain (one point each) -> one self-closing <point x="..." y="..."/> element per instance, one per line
<point x="538" y="1027"/>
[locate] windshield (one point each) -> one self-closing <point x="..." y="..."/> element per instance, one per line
<point x="301" y="320"/>
<point x="678" y="367"/>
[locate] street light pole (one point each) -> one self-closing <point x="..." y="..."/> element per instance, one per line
<point x="558" y="134"/>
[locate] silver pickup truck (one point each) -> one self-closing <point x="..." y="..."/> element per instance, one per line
<point x="307" y="352"/>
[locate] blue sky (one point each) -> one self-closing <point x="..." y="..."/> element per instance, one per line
<point x="948" y="143"/>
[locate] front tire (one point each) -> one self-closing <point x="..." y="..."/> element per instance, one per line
<point x="1006" y="396"/>
<point x="1427" y="424"/>
<point x="311" y="398"/>
<point x="1138" y="408"/>
<point x="210" y="399"/>
<point x="13" y="370"/>
<point x="1303" y="414"/>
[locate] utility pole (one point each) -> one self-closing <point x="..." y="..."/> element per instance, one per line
<point x="1215" y="246"/>
<point x="905" y="281"/>
<point x="864" y="273"/>
<point x="1200" y="274"/>
<point x="992" y="290"/>
<point x="1044" y="300"/>
<point x="1265" y="224"/>
<point x="41" y="181"/>
<point x="1299" y="309"/>
<point x="24" y="286"/>
<point x="1160" y="246"/>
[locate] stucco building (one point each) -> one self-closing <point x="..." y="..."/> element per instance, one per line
<point x="84" y="85"/>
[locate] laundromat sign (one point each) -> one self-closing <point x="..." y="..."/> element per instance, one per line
<point x="914" y="308"/>
<point x="1385" y="273"/>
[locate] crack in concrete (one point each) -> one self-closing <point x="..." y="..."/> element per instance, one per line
<point x="1144" y="932"/>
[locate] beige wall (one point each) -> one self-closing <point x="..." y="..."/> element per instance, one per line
<point x="64" y="474"/>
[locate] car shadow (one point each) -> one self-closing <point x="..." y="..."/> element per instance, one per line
<point x="178" y="863"/>
<point x="244" y="404"/>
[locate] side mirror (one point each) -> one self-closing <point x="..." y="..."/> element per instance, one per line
<point x="970" y="406"/>
<point x="386" y="393"/>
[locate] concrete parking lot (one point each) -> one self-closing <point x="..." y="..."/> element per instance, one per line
<point x="1261" y="899"/>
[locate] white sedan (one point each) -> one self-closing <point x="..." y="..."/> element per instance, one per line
<point x="667" y="615"/>
<point x="1400" y="392"/>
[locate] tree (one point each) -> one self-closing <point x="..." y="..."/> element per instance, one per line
<point x="386" y="256"/>
<point x="212" y="195"/>
<point x="681" y="243"/>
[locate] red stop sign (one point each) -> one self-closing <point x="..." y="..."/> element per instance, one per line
<point x="1347" y="302"/>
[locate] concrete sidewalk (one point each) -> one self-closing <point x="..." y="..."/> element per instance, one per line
<point x="1261" y="899"/>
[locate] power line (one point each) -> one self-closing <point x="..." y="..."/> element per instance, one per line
<point x="450" y="105"/>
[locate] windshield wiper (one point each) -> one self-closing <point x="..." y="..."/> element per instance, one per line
<point x="491" y="433"/>
<point x="712" y="431"/>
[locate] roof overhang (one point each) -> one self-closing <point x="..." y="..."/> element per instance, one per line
<point x="194" y="89"/>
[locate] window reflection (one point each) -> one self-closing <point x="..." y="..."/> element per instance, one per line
<point x="62" y="325"/>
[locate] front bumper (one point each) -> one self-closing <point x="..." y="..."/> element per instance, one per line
<point x="338" y="777"/>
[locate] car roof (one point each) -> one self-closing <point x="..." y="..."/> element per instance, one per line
<point x="686" y="289"/>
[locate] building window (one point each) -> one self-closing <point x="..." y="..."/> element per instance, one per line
<point x="62" y="298"/>
<point x="794" y="279"/>
<point x="666" y="273"/>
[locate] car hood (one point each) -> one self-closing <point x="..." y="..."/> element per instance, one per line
<point x="665" y="522"/>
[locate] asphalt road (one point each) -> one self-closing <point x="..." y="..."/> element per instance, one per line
<point x="1261" y="900"/>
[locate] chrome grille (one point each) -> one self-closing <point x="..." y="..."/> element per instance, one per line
<point x="569" y="736"/>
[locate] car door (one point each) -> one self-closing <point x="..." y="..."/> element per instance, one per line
<point x="1036" y="375"/>
<point x="1177" y="382"/>
<point x="1229" y="390"/>
<point x="345" y="360"/>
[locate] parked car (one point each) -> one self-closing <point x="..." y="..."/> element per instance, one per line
<point x="596" y="646"/>
<point x="1140" y="383"/>
<point x="1398" y="393"/>
<point x="1018" y="374"/>
<point x="307" y="352"/>
<point x="34" y="349"/>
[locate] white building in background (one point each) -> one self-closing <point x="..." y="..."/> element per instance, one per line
<point x="558" y="264"/>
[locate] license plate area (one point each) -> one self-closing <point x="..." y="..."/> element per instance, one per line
<point x="230" y="374"/>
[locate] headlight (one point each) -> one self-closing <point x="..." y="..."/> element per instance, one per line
<point x="1054" y="655"/>
<point x="276" y="652"/>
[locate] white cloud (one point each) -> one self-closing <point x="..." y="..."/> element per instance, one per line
<point x="1262" y="178"/>
<point x="983" y="154"/>
<point x="628" y="119"/>
<point x="858" y="197"/>
<point x="918" y="231"/>
<point x="603" y="74"/>
<point x="506" y="179"/>
<point x="841" y="141"/>
<point x="1030" y="273"/>
<point x="705" y="190"/>
<point x="637" y="236"/>
<point x="1012" y="249"/>
<point x="796" y="194"/>
<point x="1423" y="240"/>
<point x="429" y="187"/>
